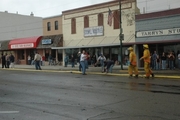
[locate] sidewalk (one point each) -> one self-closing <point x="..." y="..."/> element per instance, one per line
<point x="97" y="70"/>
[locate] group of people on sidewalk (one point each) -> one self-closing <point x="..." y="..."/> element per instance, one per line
<point x="106" y="65"/>
<point x="7" y="60"/>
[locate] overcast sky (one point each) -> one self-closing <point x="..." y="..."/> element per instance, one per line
<point x="47" y="8"/>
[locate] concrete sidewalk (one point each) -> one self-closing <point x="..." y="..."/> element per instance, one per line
<point x="97" y="70"/>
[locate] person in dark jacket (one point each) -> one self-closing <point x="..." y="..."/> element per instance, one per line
<point x="3" y="61"/>
<point x="72" y="60"/>
<point x="11" y="60"/>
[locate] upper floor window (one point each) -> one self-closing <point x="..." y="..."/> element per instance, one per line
<point x="48" y="26"/>
<point x="86" y="22"/>
<point x="56" y="25"/>
<point x="100" y="19"/>
<point x="116" y="19"/>
<point x="73" y="26"/>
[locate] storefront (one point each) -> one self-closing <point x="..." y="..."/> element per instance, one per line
<point x="22" y="47"/>
<point x="160" y="30"/>
<point x="47" y="42"/>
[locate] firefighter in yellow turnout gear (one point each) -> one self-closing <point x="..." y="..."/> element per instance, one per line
<point x="147" y="59"/>
<point x="133" y="64"/>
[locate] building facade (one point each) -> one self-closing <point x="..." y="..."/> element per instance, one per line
<point x="160" y="30"/>
<point x="21" y="33"/>
<point x="87" y="28"/>
<point x="52" y="34"/>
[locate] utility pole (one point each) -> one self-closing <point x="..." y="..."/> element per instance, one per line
<point x="121" y="36"/>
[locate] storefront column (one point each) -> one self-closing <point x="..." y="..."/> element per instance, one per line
<point x="102" y="50"/>
<point x="64" y="54"/>
<point x="136" y="50"/>
<point x="56" y="55"/>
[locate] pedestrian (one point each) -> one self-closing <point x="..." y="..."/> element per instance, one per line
<point x="178" y="56"/>
<point x="78" y="59"/>
<point x="82" y="61"/>
<point x="146" y="57"/>
<point x="154" y="59"/>
<point x="50" y="59"/>
<point x="29" y="60"/>
<point x="37" y="60"/>
<point x="109" y="66"/>
<point x="72" y="60"/>
<point x="158" y="63"/>
<point x="66" y="60"/>
<point x="132" y="63"/>
<point x="7" y="60"/>
<point x="3" y="60"/>
<point x="12" y="58"/>
<point x="171" y="61"/>
<point x="87" y="60"/>
<point x="163" y="61"/>
<point x="43" y="60"/>
<point x="102" y="59"/>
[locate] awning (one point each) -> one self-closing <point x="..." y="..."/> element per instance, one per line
<point x="23" y="43"/>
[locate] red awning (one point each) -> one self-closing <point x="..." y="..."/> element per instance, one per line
<point x="23" y="43"/>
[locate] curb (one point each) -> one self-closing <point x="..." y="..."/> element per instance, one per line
<point x="96" y="73"/>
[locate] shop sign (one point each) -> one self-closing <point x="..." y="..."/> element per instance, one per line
<point x="93" y="31"/>
<point x="26" y="45"/>
<point x="46" y="41"/>
<point x="151" y="33"/>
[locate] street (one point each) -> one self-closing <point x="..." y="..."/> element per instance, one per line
<point x="39" y="95"/>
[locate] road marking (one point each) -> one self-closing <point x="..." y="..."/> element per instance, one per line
<point x="8" y="112"/>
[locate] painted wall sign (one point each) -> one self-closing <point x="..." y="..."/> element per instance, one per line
<point x="172" y="31"/>
<point x="94" y="31"/>
<point x="26" y="45"/>
<point x="46" y="41"/>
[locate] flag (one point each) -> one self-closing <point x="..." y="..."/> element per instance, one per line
<point x="110" y="17"/>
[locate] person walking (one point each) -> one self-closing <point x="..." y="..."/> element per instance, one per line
<point x="82" y="61"/>
<point x="132" y="63"/>
<point x="37" y="60"/>
<point x="146" y="57"/>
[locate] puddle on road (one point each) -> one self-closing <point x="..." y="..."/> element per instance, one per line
<point x="146" y="86"/>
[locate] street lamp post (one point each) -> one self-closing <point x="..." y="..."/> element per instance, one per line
<point x="121" y="36"/>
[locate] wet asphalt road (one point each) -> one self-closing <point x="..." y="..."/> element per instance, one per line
<point x="28" y="95"/>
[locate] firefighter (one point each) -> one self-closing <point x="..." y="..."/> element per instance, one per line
<point x="147" y="58"/>
<point x="133" y="65"/>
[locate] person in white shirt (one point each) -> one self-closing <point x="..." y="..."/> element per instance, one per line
<point x="82" y="62"/>
<point x="37" y="59"/>
<point x="102" y="59"/>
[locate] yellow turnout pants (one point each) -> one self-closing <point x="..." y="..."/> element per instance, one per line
<point x="132" y="68"/>
<point x="147" y="69"/>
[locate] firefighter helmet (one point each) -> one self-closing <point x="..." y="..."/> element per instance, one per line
<point x="130" y="48"/>
<point x="145" y="46"/>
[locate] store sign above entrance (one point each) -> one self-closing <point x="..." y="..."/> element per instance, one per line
<point x="46" y="41"/>
<point x="151" y="33"/>
<point x="26" y="45"/>
<point x="93" y="31"/>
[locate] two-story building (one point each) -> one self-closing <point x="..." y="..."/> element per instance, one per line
<point x="87" y="28"/>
